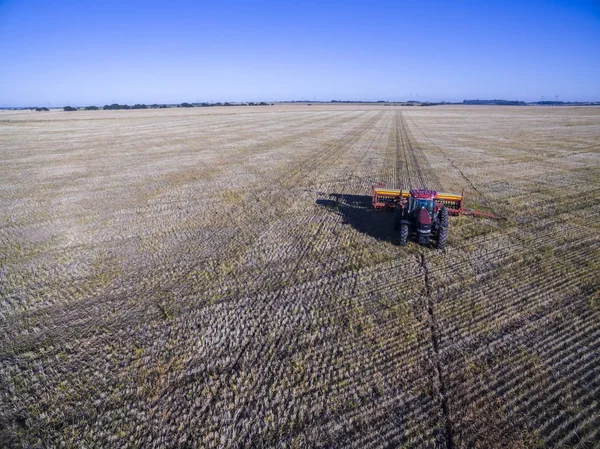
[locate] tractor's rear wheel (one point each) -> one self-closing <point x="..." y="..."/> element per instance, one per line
<point x="442" y="236"/>
<point x="443" y="217"/>
<point x="397" y="217"/>
<point x="403" y="234"/>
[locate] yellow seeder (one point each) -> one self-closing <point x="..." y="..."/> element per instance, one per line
<point x="386" y="198"/>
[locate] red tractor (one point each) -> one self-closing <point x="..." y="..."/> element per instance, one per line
<point x="422" y="216"/>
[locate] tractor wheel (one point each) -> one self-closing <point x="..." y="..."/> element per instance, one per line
<point x="397" y="217"/>
<point x="403" y="234"/>
<point x="441" y="238"/>
<point x="443" y="217"/>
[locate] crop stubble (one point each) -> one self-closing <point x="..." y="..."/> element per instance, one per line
<point x="217" y="277"/>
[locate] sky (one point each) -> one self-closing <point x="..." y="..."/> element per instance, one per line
<point x="56" y="53"/>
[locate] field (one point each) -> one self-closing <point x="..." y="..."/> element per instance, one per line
<point x="214" y="277"/>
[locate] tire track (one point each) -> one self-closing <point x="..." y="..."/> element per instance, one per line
<point x="414" y="171"/>
<point x="402" y="174"/>
<point x="412" y="167"/>
<point x="439" y="385"/>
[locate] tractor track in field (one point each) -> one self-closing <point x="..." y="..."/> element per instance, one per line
<point x="438" y="382"/>
<point x="402" y="175"/>
<point x="411" y="163"/>
<point x="413" y="170"/>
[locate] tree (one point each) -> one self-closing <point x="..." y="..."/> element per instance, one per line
<point x="92" y="108"/>
<point x="115" y="106"/>
<point x="69" y="109"/>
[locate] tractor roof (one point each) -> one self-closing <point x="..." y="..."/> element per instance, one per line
<point x="422" y="193"/>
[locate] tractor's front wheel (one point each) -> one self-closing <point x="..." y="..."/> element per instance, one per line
<point x="403" y="234"/>
<point x="442" y="236"/>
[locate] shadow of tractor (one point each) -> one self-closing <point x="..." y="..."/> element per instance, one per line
<point x="356" y="210"/>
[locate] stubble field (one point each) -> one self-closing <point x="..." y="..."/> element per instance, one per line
<point x="216" y="278"/>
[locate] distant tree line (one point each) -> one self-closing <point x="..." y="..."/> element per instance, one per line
<point x="116" y="106"/>
<point x="567" y="103"/>
<point x="496" y="102"/>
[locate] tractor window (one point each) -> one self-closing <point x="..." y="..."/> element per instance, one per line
<point x="419" y="203"/>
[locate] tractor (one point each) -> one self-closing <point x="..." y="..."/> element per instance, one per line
<point x="422" y="216"/>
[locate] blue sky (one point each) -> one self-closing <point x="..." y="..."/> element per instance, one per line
<point x="97" y="52"/>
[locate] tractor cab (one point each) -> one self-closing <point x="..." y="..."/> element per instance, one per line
<point x="415" y="204"/>
<point x="422" y="199"/>
<point x="420" y="214"/>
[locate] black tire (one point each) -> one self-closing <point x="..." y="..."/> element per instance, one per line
<point x="397" y="217"/>
<point x="443" y="217"/>
<point x="442" y="237"/>
<point x="403" y="234"/>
